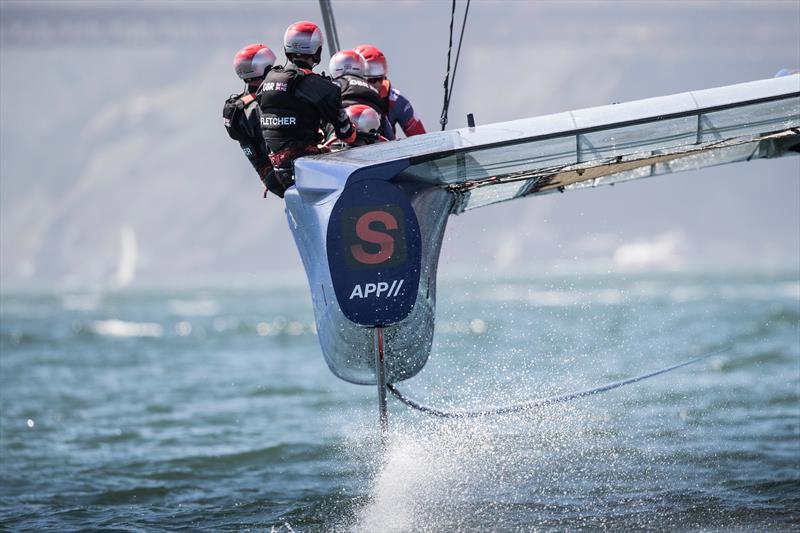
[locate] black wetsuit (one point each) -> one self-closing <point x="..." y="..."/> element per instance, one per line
<point x="356" y="90"/>
<point x="294" y="104"/>
<point x="241" y="117"/>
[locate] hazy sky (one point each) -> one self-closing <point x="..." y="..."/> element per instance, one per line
<point x="110" y="126"/>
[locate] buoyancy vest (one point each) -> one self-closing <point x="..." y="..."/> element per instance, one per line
<point x="356" y="90"/>
<point x="285" y="117"/>
<point x="241" y="118"/>
<point x="237" y="115"/>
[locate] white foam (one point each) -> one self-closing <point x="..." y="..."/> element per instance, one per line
<point x="120" y="328"/>
<point x="442" y="476"/>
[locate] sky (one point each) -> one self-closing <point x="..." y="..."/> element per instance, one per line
<point x="112" y="144"/>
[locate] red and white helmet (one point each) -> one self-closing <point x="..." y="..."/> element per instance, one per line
<point x="364" y="118"/>
<point x="302" y="38"/>
<point x="377" y="67"/>
<point x="252" y="61"/>
<point x="347" y="62"/>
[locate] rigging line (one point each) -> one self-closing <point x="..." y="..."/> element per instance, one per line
<point x="543" y="402"/>
<point x="446" y="103"/>
<point x="458" y="53"/>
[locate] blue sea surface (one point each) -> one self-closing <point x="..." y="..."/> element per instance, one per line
<point x="211" y="408"/>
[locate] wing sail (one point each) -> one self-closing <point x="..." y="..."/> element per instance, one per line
<point x="627" y="141"/>
<point x="596" y="146"/>
<point x="618" y="168"/>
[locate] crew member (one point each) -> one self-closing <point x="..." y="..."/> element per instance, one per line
<point x="295" y="102"/>
<point x="367" y="122"/>
<point x="240" y="113"/>
<point x="347" y="68"/>
<point x="398" y="109"/>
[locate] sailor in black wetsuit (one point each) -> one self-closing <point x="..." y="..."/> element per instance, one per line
<point x="240" y="112"/>
<point x="295" y="103"/>
<point x="348" y="69"/>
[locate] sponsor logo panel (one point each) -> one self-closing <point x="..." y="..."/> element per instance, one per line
<point x="374" y="253"/>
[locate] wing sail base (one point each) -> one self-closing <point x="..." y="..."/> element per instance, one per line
<point x="622" y="168"/>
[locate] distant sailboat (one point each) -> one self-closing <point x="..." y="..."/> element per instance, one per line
<point x="128" y="257"/>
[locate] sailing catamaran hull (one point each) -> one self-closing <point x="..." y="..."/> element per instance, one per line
<point x="347" y="345"/>
<point x="366" y="218"/>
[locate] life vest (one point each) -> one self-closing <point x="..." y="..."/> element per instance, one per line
<point x="284" y="117"/>
<point x="356" y="90"/>
<point x="237" y="115"/>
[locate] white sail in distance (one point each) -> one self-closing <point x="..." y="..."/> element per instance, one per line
<point x="128" y="258"/>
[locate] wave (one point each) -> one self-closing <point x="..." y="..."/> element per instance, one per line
<point x="121" y="328"/>
<point x="22" y="337"/>
<point x="193" y="307"/>
<point x="550" y="297"/>
<point x="756" y="359"/>
<point x="272" y="391"/>
<point x="81" y="302"/>
<point x="587" y="293"/>
<point x="128" y="495"/>
<point x="765" y="292"/>
<point x="284" y="452"/>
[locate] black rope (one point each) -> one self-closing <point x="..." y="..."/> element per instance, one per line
<point x="446" y="103"/>
<point x="448" y="82"/>
<point x="458" y="53"/>
<point x="543" y="402"/>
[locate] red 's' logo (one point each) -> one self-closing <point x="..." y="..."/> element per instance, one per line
<point x="384" y="241"/>
<point x="374" y="236"/>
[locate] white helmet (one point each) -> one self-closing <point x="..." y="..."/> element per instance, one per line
<point x="347" y="62"/>
<point x="365" y="119"/>
<point x="303" y="38"/>
<point x="252" y="61"/>
<point x="377" y="66"/>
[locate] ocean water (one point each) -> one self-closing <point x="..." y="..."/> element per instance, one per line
<point x="211" y="408"/>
